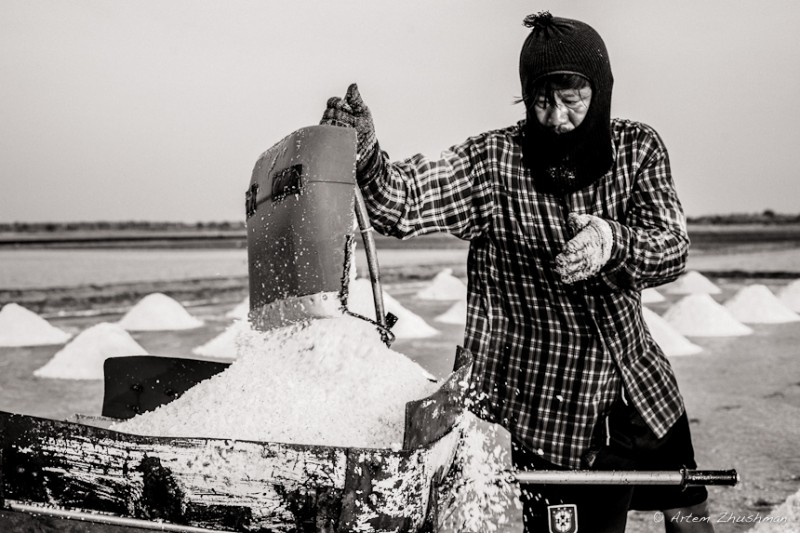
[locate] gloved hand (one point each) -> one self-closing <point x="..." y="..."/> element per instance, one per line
<point x="351" y="112"/>
<point x="588" y="251"/>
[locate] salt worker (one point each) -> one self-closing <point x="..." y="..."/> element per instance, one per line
<point x="570" y="214"/>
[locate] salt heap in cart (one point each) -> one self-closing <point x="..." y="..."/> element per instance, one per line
<point x="270" y="442"/>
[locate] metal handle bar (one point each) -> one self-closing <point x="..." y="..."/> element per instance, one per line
<point x="683" y="477"/>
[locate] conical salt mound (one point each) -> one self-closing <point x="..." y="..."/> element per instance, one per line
<point x="158" y="312"/>
<point x="225" y="345"/>
<point x="240" y="311"/>
<point x="651" y="296"/>
<point x="22" y="327"/>
<point x="83" y="357"/>
<point x="698" y="315"/>
<point x="457" y="314"/>
<point x="755" y="304"/>
<point x="693" y="282"/>
<point x="790" y="295"/>
<point x="409" y="325"/>
<point x="670" y="340"/>
<point x="444" y="286"/>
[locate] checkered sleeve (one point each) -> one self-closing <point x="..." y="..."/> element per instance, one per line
<point x="452" y="194"/>
<point x="651" y="244"/>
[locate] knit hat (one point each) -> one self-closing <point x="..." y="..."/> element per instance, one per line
<point x="564" y="46"/>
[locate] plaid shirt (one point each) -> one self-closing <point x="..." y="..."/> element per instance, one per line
<point x="551" y="357"/>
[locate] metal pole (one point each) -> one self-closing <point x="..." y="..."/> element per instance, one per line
<point x="627" y="477"/>
<point x="372" y="257"/>
<point x="108" y="519"/>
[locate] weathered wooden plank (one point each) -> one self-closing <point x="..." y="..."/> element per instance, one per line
<point x="220" y="484"/>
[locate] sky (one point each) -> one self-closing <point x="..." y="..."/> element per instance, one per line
<point x="158" y="109"/>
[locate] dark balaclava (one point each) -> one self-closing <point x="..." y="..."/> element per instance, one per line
<point x="566" y="162"/>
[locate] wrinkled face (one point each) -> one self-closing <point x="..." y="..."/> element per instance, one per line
<point x="565" y="110"/>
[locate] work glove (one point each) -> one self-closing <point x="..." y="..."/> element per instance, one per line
<point x="588" y="251"/>
<point x="351" y="112"/>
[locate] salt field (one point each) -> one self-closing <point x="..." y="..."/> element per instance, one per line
<point x="740" y="391"/>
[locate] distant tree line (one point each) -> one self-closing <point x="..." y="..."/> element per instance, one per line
<point x="768" y="216"/>
<point x="125" y="225"/>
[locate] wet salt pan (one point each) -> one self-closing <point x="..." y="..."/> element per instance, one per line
<point x="444" y="286"/>
<point x="409" y="325"/>
<point x="83" y="357"/>
<point x="667" y="337"/>
<point x="693" y="282"/>
<point x="328" y="382"/>
<point x="756" y="304"/>
<point x="158" y="312"/>
<point x="700" y="315"/>
<point x="22" y="327"/>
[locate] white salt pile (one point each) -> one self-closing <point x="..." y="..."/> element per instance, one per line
<point x="457" y="314"/>
<point x="327" y="382"/>
<point x="409" y="325"/>
<point x="83" y="357"/>
<point x="667" y="337"/>
<point x="790" y="295"/>
<point x="699" y="315"/>
<point x="693" y="282"/>
<point x="444" y="286"/>
<point x="22" y="327"/>
<point x="651" y="296"/>
<point x="755" y="304"/>
<point x="158" y="312"/>
<point x="226" y="344"/>
<point x="241" y="310"/>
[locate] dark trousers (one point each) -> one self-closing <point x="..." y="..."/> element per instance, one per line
<point x="626" y="443"/>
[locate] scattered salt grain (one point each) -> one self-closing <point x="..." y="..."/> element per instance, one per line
<point x="651" y="296"/>
<point x="693" y="282"/>
<point x="482" y="497"/>
<point x="158" y="312"/>
<point x="22" y="327"/>
<point x="790" y="295"/>
<point x="226" y="344"/>
<point x="700" y="315"/>
<point x="668" y="338"/>
<point x="457" y="314"/>
<point x="326" y="382"/>
<point x="755" y="304"/>
<point x="409" y="325"/>
<point x="83" y="357"/>
<point x="444" y="286"/>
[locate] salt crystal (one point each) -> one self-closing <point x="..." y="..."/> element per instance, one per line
<point x="327" y="382"/>
<point x="21" y="327"/>
<point x="667" y="337"/>
<point x="693" y="282"/>
<point x="757" y="305"/>
<point x="158" y="312"/>
<point x="444" y="286"/>
<point x="83" y="357"/>
<point x="699" y="315"/>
